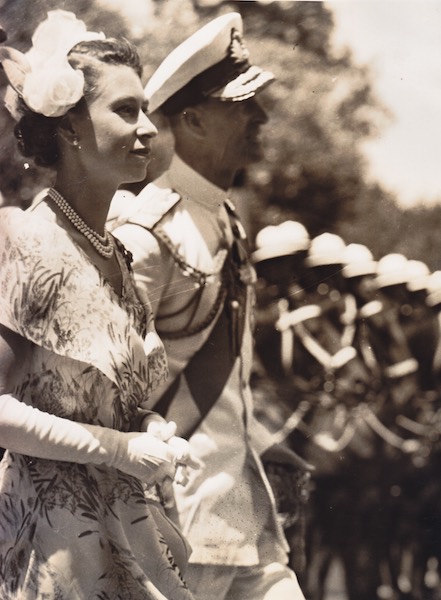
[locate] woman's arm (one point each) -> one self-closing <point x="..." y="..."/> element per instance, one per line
<point x="27" y="430"/>
<point x="150" y="456"/>
<point x="13" y="350"/>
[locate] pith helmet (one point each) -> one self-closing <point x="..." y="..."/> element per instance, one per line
<point x="358" y="261"/>
<point x="326" y="249"/>
<point x="391" y="270"/>
<point x="417" y="274"/>
<point x="433" y="287"/>
<point x="280" y="240"/>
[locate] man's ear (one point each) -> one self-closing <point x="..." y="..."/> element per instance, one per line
<point x="67" y="131"/>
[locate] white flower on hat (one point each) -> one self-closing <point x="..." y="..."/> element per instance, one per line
<point x="54" y="90"/>
<point x="52" y="86"/>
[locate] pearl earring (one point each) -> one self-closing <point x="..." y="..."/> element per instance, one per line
<point x="76" y="143"/>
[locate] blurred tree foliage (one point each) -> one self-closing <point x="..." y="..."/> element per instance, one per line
<point x="322" y="108"/>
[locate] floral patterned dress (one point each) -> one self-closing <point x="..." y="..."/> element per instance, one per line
<point x="70" y="531"/>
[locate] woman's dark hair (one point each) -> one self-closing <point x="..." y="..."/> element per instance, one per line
<point x="37" y="134"/>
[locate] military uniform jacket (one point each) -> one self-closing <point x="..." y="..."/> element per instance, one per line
<point x="227" y="510"/>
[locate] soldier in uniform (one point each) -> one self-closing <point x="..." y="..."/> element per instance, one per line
<point x="190" y="255"/>
<point x="433" y="301"/>
<point x="279" y="259"/>
<point x="391" y="281"/>
<point x="328" y="380"/>
<point x="359" y="272"/>
<point x="419" y="323"/>
<point x="406" y="454"/>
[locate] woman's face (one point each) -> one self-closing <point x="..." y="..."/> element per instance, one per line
<point x="113" y="130"/>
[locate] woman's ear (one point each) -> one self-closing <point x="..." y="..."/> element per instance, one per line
<point x="67" y="131"/>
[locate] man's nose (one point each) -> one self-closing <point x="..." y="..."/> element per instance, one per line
<point x="260" y="113"/>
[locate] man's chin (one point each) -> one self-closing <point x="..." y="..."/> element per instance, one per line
<point x="256" y="156"/>
<point x="254" y="153"/>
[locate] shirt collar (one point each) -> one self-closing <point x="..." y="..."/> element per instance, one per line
<point x="192" y="186"/>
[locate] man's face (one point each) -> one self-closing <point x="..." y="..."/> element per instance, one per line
<point x="233" y="131"/>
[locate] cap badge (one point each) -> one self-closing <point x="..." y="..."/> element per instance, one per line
<point x="237" y="51"/>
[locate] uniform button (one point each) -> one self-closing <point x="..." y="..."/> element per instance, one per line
<point x="328" y="386"/>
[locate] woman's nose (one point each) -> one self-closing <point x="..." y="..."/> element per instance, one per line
<point x="145" y="126"/>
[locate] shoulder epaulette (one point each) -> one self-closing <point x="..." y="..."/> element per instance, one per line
<point x="148" y="208"/>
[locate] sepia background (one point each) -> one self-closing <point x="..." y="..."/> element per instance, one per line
<point x="354" y="138"/>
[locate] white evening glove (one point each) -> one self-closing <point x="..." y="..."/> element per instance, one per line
<point x="165" y="431"/>
<point x="27" y="430"/>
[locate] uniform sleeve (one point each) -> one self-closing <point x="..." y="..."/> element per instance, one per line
<point x="150" y="261"/>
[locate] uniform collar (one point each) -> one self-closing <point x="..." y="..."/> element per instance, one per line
<point x="192" y="186"/>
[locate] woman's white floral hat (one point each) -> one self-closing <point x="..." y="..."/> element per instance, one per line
<point x="43" y="77"/>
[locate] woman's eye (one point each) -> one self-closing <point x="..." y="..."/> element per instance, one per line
<point x="127" y="111"/>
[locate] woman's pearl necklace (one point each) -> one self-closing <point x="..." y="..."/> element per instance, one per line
<point x="102" y="244"/>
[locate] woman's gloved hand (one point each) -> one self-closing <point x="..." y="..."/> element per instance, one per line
<point x="183" y="460"/>
<point x="143" y="455"/>
<point x="30" y="431"/>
